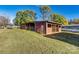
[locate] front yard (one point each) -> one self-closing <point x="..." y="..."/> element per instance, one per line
<point x="23" y="41"/>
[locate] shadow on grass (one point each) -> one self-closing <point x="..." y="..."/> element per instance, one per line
<point x="66" y="37"/>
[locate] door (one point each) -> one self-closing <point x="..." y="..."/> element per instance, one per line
<point x="53" y="28"/>
<point x="42" y="29"/>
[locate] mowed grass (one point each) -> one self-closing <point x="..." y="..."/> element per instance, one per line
<point x="23" y="41"/>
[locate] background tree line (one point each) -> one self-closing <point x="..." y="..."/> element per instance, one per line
<point x="23" y="17"/>
<point x="74" y="21"/>
<point x="4" y="21"/>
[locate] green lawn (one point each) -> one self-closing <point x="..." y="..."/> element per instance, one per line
<point x="23" y="41"/>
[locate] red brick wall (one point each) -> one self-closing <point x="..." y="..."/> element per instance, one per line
<point x="53" y="29"/>
<point x="48" y="29"/>
<point x="40" y="27"/>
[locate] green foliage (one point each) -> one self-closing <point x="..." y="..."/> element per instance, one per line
<point x="45" y="11"/>
<point x="23" y="17"/>
<point x="76" y="21"/>
<point x="59" y="19"/>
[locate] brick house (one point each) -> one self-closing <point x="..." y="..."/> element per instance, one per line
<point x="42" y="27"/>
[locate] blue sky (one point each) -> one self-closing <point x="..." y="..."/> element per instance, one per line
<point x="68" y="11"/>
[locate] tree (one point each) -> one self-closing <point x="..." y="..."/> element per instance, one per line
<point x="29" y="16"/>
<point x="59" y="19"/>
<point x="23" y="17"/>
<point x="17" y="20"/>
<point x="76" y="21"/>
<point x="4" y="21"/>
<point x="45" y="11"/>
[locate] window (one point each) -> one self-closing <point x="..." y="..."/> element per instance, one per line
<point x="49" y="25"/>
